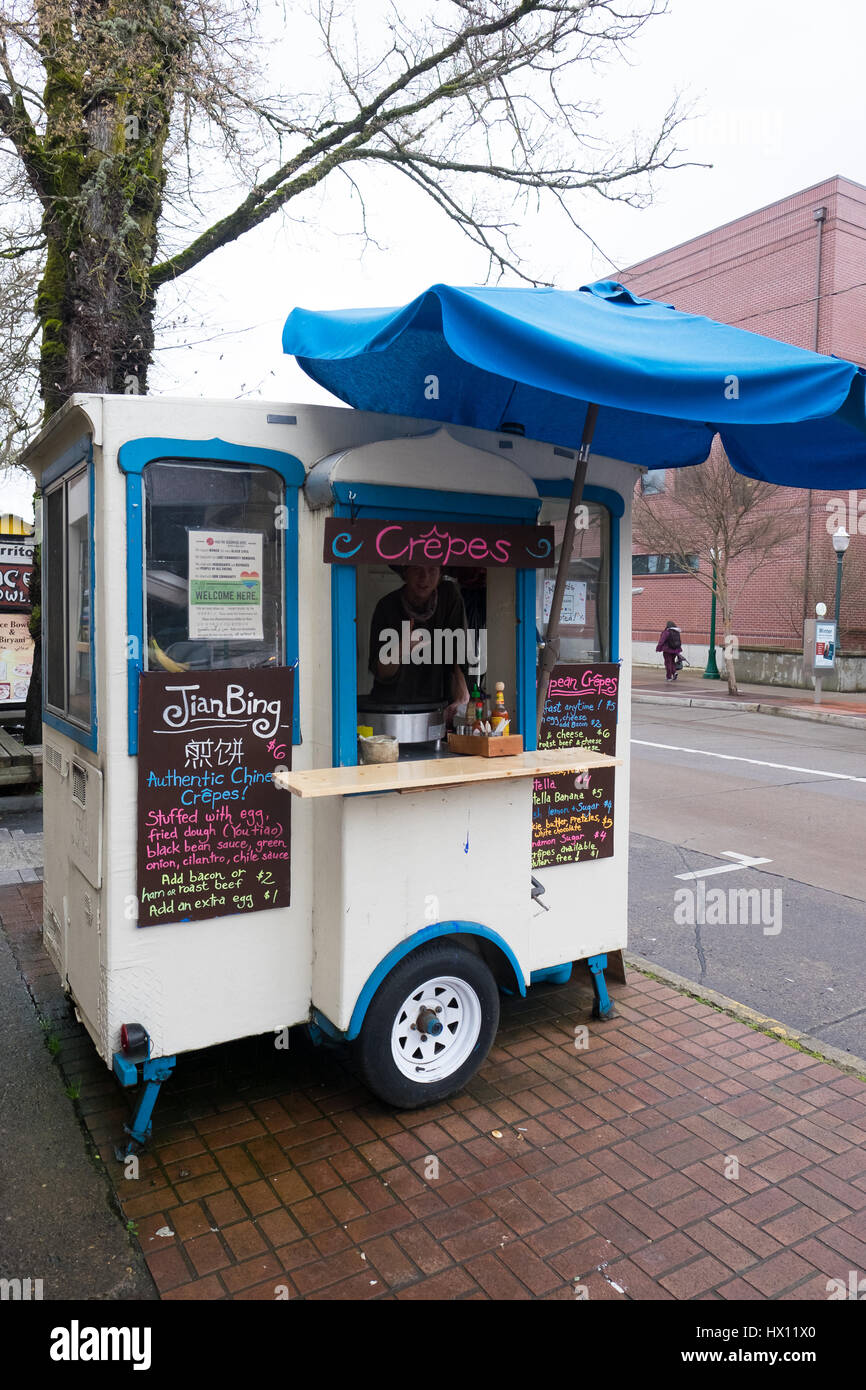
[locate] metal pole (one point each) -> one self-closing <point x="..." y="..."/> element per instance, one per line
<point x="551" y="636"/>
<point x="840" y="556"/>
<point x="711" y="672"/>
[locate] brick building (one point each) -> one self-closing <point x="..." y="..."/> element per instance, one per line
<point x="795" y="270"/>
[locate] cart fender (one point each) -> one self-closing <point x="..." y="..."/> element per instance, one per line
<point x="420" y="938"/>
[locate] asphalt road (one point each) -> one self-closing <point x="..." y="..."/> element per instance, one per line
<point x="710" y="783"/>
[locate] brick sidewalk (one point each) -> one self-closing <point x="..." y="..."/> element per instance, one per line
<point x="279" y="1176"/>
<point x="690" y="684"/>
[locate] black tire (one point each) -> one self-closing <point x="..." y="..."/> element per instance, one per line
<point x="373" y="1050"/>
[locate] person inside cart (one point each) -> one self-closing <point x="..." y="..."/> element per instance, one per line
<point x="430" y="606"/>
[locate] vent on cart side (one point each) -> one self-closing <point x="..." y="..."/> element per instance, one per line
<point x="79" y="785"/>
<point x="54" y="758"/>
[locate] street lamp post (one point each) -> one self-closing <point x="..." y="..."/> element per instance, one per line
<point x="841" y="541"/>
<point x="711" y="672"/>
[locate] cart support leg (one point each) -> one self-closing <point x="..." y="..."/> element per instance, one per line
<point x="153" y="1072"/>
<point x="603" y="1006"/>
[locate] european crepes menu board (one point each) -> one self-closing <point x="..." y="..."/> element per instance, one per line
<point x="213" y="830"/>
<point x="572" y="813"/>
<point x="581" y="707"/>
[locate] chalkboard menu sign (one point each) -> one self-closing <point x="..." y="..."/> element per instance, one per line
<point x="572" y="813"/>
<point x="580" y="709"/>
<point x="213" y="830"/>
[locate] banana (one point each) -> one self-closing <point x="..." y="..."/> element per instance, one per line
<point x="164" y="660"/>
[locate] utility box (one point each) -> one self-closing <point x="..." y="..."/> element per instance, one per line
<point x="819" y="645"/>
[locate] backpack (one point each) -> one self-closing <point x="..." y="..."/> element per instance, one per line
<point x="675" y="641"/>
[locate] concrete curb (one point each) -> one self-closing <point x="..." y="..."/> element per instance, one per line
<point x="846" y="1061"/>
<point x="819" y="716"/>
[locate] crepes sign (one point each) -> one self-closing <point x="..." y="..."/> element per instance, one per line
<point x="367" y="542"/>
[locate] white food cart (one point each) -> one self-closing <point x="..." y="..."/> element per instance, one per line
<point x="410" y="897"/>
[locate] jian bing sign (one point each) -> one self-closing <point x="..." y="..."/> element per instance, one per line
<point x="213" y="830"/>
<point x="418" y="543"/>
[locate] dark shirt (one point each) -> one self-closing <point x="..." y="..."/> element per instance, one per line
<point x="411" y="684"/>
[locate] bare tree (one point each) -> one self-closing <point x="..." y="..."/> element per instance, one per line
<point x="19" y="396"/>
<point x="734" y="524"/>
<point x="118" y="116"/>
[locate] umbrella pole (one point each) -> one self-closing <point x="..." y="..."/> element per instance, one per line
<point x="551" y="637"/>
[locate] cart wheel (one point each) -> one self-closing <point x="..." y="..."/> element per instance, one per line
<point x="429" y="1026"/>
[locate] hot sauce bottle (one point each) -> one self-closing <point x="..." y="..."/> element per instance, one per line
<point x="500" y="719"/>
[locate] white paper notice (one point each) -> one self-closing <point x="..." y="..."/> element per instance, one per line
<point x="573" y="602"/>
<point x="225" y="585"/>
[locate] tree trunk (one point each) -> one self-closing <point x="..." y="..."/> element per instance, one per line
<point x="95" y="301"/>
<point x="727" y="624"/>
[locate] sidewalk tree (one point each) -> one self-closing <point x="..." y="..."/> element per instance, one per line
<point x="722" y="517"/>
<point x="118" y="117"/>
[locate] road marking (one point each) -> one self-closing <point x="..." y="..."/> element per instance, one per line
<point x="746" y="861"/>
<point x="756" y="762"/>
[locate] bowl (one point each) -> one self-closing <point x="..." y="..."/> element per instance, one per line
<point x="379" y="748"/>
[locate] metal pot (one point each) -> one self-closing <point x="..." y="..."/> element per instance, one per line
<point x="407" y="723"/>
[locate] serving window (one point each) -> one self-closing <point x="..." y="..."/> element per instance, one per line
<point x="214" y="563"/>
<point x="585" y="627"/>
<point x="67" y="601"/>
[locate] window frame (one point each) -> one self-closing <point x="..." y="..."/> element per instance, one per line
<point x="614" y="505"/>
<point x="668" y="573"/>
<point x="132" y="458"/>
<point x="76" y="462"/>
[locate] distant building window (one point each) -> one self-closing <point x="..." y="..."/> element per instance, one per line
<point x="663" y="564"/>
<point x="653" y="481"/>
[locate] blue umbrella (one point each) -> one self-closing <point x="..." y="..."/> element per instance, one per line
<point x="635" y="379"/>
<point x="665" y="381"/>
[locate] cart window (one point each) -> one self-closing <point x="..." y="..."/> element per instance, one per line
<point x="585" y="627"/>
<point x="67" y="599"/>
<point x="214" y="565"/>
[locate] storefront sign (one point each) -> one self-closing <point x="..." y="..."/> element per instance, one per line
<point x="225" y="585"/>
<point x="213" y="830"/>
<point x="572" y="813"/>
<point x="16" y="657"/>
<point x="16" y="567"/>
<point x="420" y="543"/>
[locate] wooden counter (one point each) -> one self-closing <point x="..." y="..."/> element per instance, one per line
<point x="438" y="772"/>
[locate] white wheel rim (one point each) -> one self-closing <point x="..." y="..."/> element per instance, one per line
<point x="426" y="1057"/>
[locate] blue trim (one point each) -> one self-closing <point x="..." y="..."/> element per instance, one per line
<point x="136" y="454"/>
<point x="527" y="658"/>
<point x="79" y="452"/>
<point x="134" y="603"/>
<point x="344" y="672"/>
<point x="553" y="974"/>
<point x="411" y="944"/>
<point x="615" y="505"/>
<point x="615" y="537"/>
<point x="372" y="499"/>
<point x="132" y="458"/>
<point x="73" y="731"/>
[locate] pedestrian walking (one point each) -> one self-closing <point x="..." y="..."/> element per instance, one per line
<point x="670" y="644"/>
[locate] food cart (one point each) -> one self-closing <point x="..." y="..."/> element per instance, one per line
<point x="217" y="862"/>
<point x="184" y="892"/>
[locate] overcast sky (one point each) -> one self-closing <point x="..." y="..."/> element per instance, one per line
<point x="779" y="104"/>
